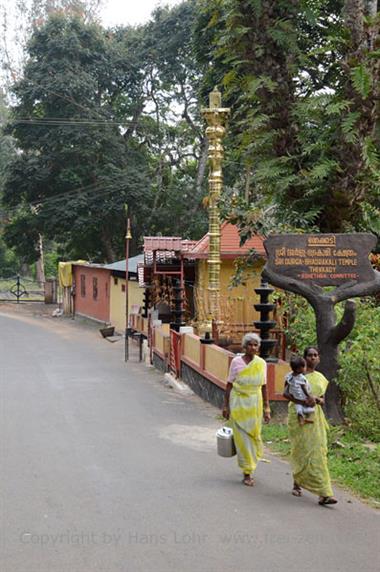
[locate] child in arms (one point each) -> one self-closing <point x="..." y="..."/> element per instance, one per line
<point x="299" y="388"/>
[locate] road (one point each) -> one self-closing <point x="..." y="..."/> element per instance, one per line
<point x="104" y="468"/>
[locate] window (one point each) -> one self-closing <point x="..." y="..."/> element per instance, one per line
<point x="115" y="281"/>
<point x="123" y="287"/>
<point x="106" y="289"/>
<point x="95" y="288"/>
<point x="83" y="285"/>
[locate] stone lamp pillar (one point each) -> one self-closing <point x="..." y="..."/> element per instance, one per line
<point x="265" y="324"/>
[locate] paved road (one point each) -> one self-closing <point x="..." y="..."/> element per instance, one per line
<point x="103" y="468"/>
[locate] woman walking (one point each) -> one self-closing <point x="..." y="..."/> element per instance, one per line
<point x="243" y="404"/>
<point x="309" y="442"/>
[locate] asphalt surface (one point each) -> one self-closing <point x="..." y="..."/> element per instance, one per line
<point x="104" y="468"/>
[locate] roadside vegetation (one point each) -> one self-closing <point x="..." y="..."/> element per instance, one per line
<point x="354" y="450"/>
<point x="353" y="461"/>
<point x="359" y="374"/>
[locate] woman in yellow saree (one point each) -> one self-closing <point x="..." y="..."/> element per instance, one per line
<point x="308" y="454"/>
<point x="243" y="405"/>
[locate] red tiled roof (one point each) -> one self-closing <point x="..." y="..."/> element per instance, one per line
<point x="229" y="243"/>
<point x="168" y="243"/>
<point x="162" y="243"/>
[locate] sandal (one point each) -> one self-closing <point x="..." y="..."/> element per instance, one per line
<point x="327" y="500"/>
<point x="297" y="491"/>
<point x="248" y="481"/>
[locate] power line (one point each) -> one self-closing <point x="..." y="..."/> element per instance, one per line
<point x="51" y="121"/>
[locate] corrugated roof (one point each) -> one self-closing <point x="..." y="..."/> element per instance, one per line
<point x="229" y="243"/>
<point x="132" y="264"/>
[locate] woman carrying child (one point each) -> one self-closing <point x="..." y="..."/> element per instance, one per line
<point x="309" y="441"/>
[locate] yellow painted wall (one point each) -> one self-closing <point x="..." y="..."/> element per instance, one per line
<point x="245" y="293"/>
<point x="117" y="301"/>
<point x="281" y="370"/>
<point x="161" y="341"/>
<point x="192" y="348"/>
<point x="217" y="362"/>
<point x="165" y="328"/>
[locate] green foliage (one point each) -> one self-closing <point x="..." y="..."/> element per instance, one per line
<point x="359" y="373"/>
<point x="105" y="118"/>
<point x="51" y="259"/>
<point x="361" y="80"/>
<point x="9" y="262"/>
<point x="297" y="318"/>
<point x="355" y="465"/>
<point x="359" y="376"/>
<point x="304" y="110"/>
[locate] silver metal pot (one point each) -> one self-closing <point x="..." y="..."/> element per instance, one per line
<point x="225" y="442"/>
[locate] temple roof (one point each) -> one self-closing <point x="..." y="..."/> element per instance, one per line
<point x="169" y="247"/>
<point x="229" y="244"/>
<point x="175" y="243"/>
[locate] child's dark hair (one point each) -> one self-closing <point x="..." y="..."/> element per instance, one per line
<point x="296" y="362"/>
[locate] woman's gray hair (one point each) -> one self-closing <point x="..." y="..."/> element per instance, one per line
<point x="251" y="337"/>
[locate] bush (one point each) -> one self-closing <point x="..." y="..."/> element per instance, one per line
<point x="9" y="262"/>
<point x="359" y="376"/>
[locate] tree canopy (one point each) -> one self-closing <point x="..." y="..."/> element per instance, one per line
<point x="302" y="79"/>
<point x="103" y="119"/>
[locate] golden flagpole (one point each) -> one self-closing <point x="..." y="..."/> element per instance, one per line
<point x="216" y="117"/>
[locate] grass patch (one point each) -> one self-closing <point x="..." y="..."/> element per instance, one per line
<point x="276" y="438"/>
<point x="353" y="463"/>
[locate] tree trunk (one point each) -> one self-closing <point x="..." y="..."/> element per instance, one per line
<point x="329" y="335"/>
<point x="202" y="164"/>
<point x="107" y="246"/>
<point x="40" y="264"/>
<point x="328" y="350"/>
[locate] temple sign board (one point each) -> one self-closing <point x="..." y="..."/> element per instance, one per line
<point x="323" y="259"/>
<point x="305" y="264"/>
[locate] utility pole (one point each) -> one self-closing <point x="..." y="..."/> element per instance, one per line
<point x="128" y="237"/>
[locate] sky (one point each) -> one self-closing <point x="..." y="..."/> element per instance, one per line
<point x="132" y="12"/>
<point x="113" y="13"/>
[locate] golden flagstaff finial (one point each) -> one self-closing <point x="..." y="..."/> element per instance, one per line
<point x="216" y="117"/>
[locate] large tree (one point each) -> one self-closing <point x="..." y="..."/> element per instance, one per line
<point x="103" y="118"/>
<point x="302" y="80"/>
<point x="20" y="18"/>
<point x="176" y="133"/>
<point x="79" y="162"/>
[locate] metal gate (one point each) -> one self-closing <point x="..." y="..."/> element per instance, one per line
<point x="19" y="289"/>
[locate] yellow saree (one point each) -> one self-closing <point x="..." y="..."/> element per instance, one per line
<point x="309" y="444"/>
<point x="246" y="412"/>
